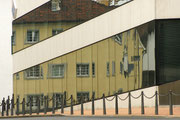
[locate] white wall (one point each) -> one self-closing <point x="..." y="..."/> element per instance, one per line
<point x="121" y="19"/>
<point x="24" y="6"/>
<point x="149" y="92"/>
<point x="5" y="49"/>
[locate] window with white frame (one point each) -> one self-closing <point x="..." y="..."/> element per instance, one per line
<point x="32" y="36"/>
<point x="33" y="72"/>
<point x="55" y="5"/>
<point x="56" y="31"/>
<point x="107" y="69"/>
<point x="13" y="38"/>
<point x="57" y="70"/>
<point x="82" y="69"/>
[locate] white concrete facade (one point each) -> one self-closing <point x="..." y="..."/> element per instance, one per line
<point x="149" y="92"/>
<point x="116" y="21"/>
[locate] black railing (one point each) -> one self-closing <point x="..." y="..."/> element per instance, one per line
<point x="9" y="105"/>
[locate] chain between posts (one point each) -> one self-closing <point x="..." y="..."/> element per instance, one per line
<point x="136" y="97"/>
<point x="123" y="99"/>
<point x="110" y="99"/>
<point x="175" y="94"/>
<point x="149" y="97"/>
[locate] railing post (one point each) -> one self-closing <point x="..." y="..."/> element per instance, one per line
<point x="129" y="106"/>
<point x="7" y="107"/>
<point x="30" y="112"/>
<point x="156" y="103"/>
<point x="3" y="107"/>
<point x="12" y="105"/>
<point x="116" y="104"/>
<point x="142" y="102"/>
<point x="93" y="112"/>
<point x="170" y="103"/>
<point x="64" y="98"/>
<point x="23" y="106"/>
<point x="38" y="104"/>
<point x="71" y="105"/>
<point x="47" y="102"/>
<point x="104" y="105"/>
<point x="17" y="106"/>
<point x="53" y="110"/>
<point x="62" y="104"/>
<point x="45" y="110"/>
<point x="82" y="108"/>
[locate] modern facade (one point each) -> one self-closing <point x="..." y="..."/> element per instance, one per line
<point x="82" y="47"/>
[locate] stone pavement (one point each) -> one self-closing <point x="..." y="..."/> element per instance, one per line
<point x="163" y="111"/>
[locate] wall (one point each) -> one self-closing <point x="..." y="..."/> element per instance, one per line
<point x="118" y="20"/>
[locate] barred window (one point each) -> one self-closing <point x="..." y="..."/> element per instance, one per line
<point x="34" y="99"/>
<point x="13" y="38"/>
<point x="58" y="99"/>
<point x="57" y="70"/>
<point x="34" y="72"/>
<point x="32" y="36"/>
<point x="107" y="69"/>
<point x="113" y="68"/>
<point x="82" y="69"/>
<point x="93" y="69"/>
<point x="56" y="31"/>
<point x="83" y="95"/>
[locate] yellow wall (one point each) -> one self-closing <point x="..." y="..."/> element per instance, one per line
<point x="100" y="53"/>
<point x="45" y="31"/>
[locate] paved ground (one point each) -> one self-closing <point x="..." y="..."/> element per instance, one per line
<point x="94" y="118"/>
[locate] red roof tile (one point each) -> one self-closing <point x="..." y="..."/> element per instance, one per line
<point x="71" y="10"/>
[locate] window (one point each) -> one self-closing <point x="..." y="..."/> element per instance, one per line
<point x="135" y="58"/>
<point x="113" y="68"/>
<point x="56" y="70"/>
<point x="34" y="99"/>
<point x="93" y="69"/>
<point x="107" y="69"/>
<point x="32" y="36"/>
<point x="57" y="99"/>
<point x="82" y="69"/>
<point x="17" y="76"/>
<point x="13" y="38"/>
<point x="33" y="72"/>
<point x="55" y="5"/>
<point x="118" y="38"/>
<point x="56" y="31"/>
<point x="83" y="95"/>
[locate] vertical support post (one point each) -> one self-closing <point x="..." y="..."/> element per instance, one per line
<point x="62" y="104"/>
<point x="64" y="98"/>
<point x="71" y="105"/>
<point x="23" y="106"/>
<point x="53" y="110"/>
<point x="12" y="105"/>
<point x="93" y="111"/>
<point x="45" y="110"/>
<point x="38" y="104"/>
<point x="30" y="112"/>
<point x="17" y="106"/>
<point x="142" y="102"/>
<point x="47" y="102"/>
<point x="156" y="103"/>
<point x="170" y="103"/>
<point x="3" y="107"/>
<point x="104" y="105"/>
<point x="82" y="107"/>
<point x="116" y="105"/>
<point x="129" y="106"/>
<point x="7" y="107"/>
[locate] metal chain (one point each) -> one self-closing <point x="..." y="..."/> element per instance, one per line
<point x="163" y="95"/>
<point x="175" y="94"/>
<point x="68" y="99"/>
<point x="136" y="97"/>
<point x="123" y="99"/>
<point x="110" y="99"/>
<point x="149" y="97"/>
